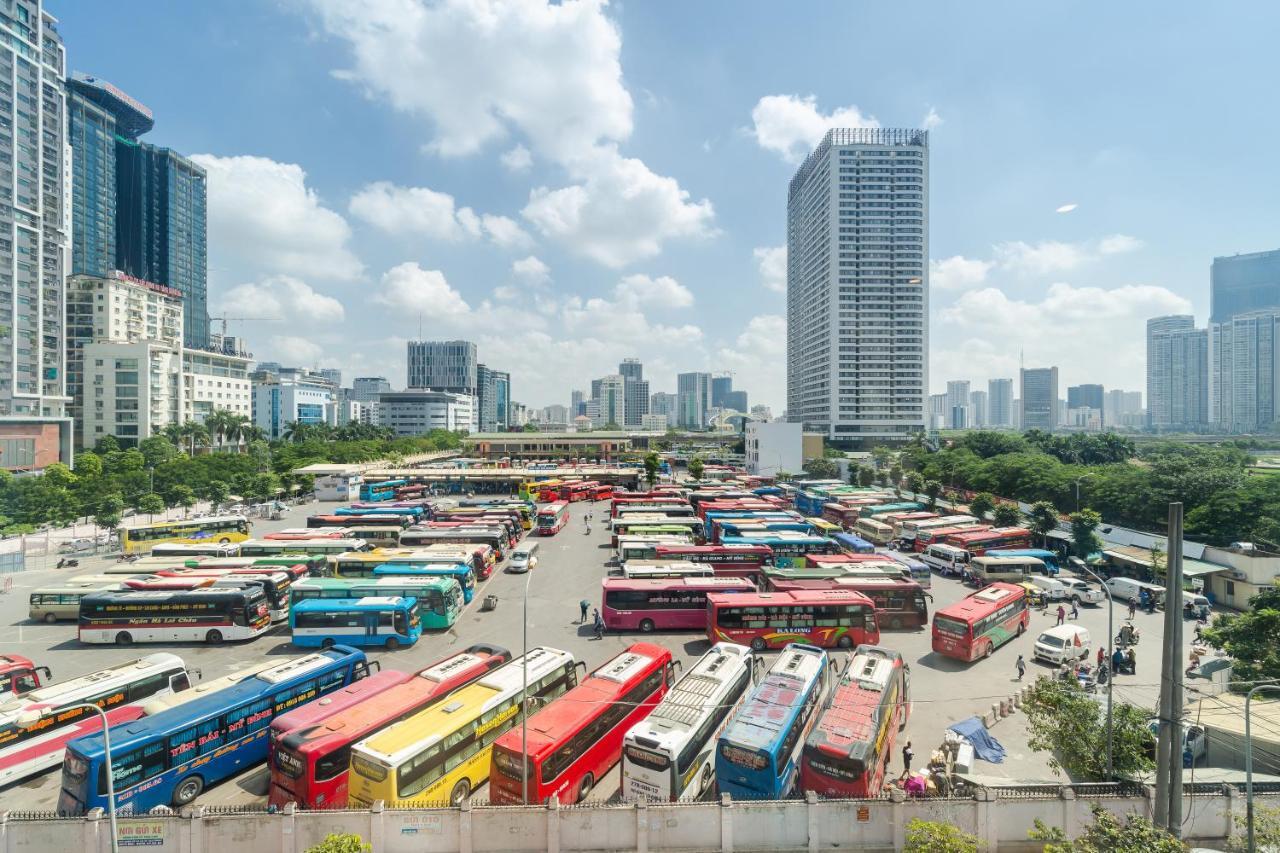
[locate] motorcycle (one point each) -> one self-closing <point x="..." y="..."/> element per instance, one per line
<point x="68" y="563"/>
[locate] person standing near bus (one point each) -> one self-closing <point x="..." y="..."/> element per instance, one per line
<point x="907" y="755"/>
<point x="1062" y="614"/>
<point x="583" y="605"/>
<point x="1021" y="664"/>
<point x="599" y="625"/>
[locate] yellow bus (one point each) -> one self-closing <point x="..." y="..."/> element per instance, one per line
<point x="824" y="527"/>
<point x="442" y="753"/>
<point x="221" y="529"/>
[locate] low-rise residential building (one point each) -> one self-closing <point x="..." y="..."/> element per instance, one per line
<point x="418" y="411"/>
<point x="773" y="446"/>
<point x="654" y="423"/>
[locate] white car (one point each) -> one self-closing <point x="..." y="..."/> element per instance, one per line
<point x="76" y="546"/>
<point x="1081" y="592"/>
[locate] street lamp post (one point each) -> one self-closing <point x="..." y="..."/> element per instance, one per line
<point x="1078" y="480"/>
<point x="26" y="718"/>
<point x="1248" y="763"/>
<point x="1111" y="613"/>
<point x="524" y="696"/>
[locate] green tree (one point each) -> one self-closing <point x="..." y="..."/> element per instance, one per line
<point x="866" y="476"/>
<point x="183" y="496"/>
<point x="157" y="450"/>
<point x="1083" y="536"/>
<point x="1252" y="638"/>
<point x="932" y="488"/>
<point x="109" y="512"/>
<point x="263" y="487"/>
<point x="821" y="468"/>
<point x="651" y="465"/>
<point x="530" y="427"/>
<point x="1006" y="515"/>
<point x="341" y="842"/>
<point x="1108" y="834"/>
<point x="88" y="465"/>
<point x="1158" y="560"/>
<point x="982" y="503"/>
<point x="882" y="456"/>
<point x="696" y="468"/>
<point x="1067" y="723"/>
<point x="926" y="836"/>
<point x="150" y="503"/>
<point x="915" y="482"/>
<point x="1043" y="519"/>
<point x="106" y="444"/>
<point x="895" y="475"/>
<point x="215" y="492"/>
<point x="1266" y="830"/>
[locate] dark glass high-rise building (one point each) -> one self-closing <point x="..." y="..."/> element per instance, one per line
<point x="1239" y="284"/>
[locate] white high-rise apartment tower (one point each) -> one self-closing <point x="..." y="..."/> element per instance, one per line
<point x="857" y="286"/>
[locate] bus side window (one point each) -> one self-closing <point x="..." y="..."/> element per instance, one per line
<point x="179" y="682"/>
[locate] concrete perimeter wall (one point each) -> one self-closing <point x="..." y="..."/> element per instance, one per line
<point x="1000" y="819"/>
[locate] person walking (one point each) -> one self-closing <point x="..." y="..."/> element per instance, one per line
<point x="1075" y="611"/>
<point x="907" y="755"/>
<point x="599" y="625"/>
<point x="1062" y="614"/>
<point x="1133" y="609"/>
<point x="1102" y="655"/>
<point x="1021" y="664"/>
<point x="583" y="605"/>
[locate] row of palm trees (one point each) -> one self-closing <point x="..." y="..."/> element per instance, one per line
<point x="220" y="428"/>
<point x="298" y="432"/>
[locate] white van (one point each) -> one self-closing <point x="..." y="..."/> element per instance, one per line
<point x="947" y="559"/>
<point x="1081" y="592"/>
<point x="524" y="558"/>
<point x="1129" y="589"/>
<point x="1053" y="589"/>
<point x="1195" y="605"/>
<point x="1062" y="644"/>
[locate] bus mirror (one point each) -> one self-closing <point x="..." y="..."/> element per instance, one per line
<point x="48" y="675"/>
<point x="195" y="671"/>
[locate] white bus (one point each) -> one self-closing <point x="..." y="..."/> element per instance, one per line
<point x="209" y="549"/>
<point x="208" y="615"/>
<point x="51" y="603"/>
<point x="670" y="755"/>
<point x="876" y="532"/>
<point x="987" y="570"/>
<point x="645" y="547"/>
<point x="909" y="528"/>
<point x="666" y="569"/>
<point x="274" y="547"/>
<point x="947" y="559"/>
<point x="120" y="691"/>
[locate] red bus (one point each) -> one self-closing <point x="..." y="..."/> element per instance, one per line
<point x="19" y="675"/>
<point x="662" y="604"/>
<point x="310" y="747"/>
<point x="770" y="620"/>
<point x="602" y="493"/>
<point x="899" y="603"/>
<point x="551" y="519"/>
<point x="848" y="751"/>
<point x="574" y="741"/>
<point x="937" y="535"/>
<point x="294" y="533"/>
<point x="578" y="490"/>
<point x="842" y="514"/>
<point x="975" y="625"/>
<point x="645" y="503"/>
<point x="730" y="561"/>
<point x="978" y="542"/>
<point x="379" y="519"/>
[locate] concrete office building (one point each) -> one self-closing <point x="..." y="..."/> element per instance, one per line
<point x="1000" y="402"/>
<point x="287" y="395"/>
<point x="654" y="423"/>
<point x="1178" y="380"/>
<point x="637" y="390"/>
<point x="662" y="403"/>
<point x="612" y="398"/>
<point x="365" y="389"/>
<point x="978" y="408"/>
<point x="1242" y="284"/>
<point x="555" y="414"/>
<point x="577" y="404"/>
<point x="418" y="411"/>
<point x="1244" y="359"/>
<point x="1038" y="390"/>
<point x="693" y="399"/>
<point x="443" y="366"/>
<point x="857" y="286"/>
<point x="957" y="404"/>
<point x="493" y="395"/>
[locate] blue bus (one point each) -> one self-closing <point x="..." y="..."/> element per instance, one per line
<point x="854" y="544"/>
<point x="464" y="575"/>
<point x="810" y="503"/>
<point x="920" y="572"/>
<point x="414" y="512"/>
<point x="751" y="526"/>
<point x="1049" y="558"/>
<point x="743" y="516"/>
<point x="383" y="620"/>
<point x="169" y="758"/>
<point x="384" y="491"/>
<point x="758" y="753"/>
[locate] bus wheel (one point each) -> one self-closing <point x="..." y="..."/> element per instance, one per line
<point x="588" y="782"/>
<point x="704" y="781"/>
<point x="224" y="541"/>
<point x="845" y="642"/>
<point x="895" y="623"/>
<point x="646" y="626"/>
<point x="758" y="644"/>
<point x="188" y="789"/>
<point x="50" y="618"/>
<point x="392" y="644"/>
<point x="989" y="650"/>
<point x="213" y="637"/>
<point x="326" y="643"/>
<point x="124" y="638"/>
<point x="461" y="791"/>
<point x="1021" y="628"/>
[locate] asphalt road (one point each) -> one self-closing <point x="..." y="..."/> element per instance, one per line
<point x="571" y="567"/>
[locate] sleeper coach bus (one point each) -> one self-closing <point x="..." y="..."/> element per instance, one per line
<point x="441" y="753"/>
<point x="937" y="535"/>
<point x="672" y="604"/>
<point x="552" y="518"/>
<point x="641" y="569"/>
<point x="645" y="547"/>
<point x="877" y="532"/>
<point x="30" y="747"/>
<point x="309" y="533"/>
<point x="974" y="626"/>
<point x="788" y="550"/>
<point x="578" y="490"/>
<point x="758" y="755"/>
<point x="1049" y="559"/>
<point x="222" y="529"/>
<point x="735" y="561"/>
<point x="853" y="544"/>
<point x="167" y="759"/>
<point x="277" y="547"/>
<point x="884" y="509"/>
<point x="274" y="584"/>
<point x="361" y="564"/>
<point x="182" y="552"/>
<point x="198" y="615"/>
<point x="387" y="621"/>
<point x="462" y="574"/>
<point x="447" y="534"/>
<point x="357" y="513"/>
<point x="918" y="569"/>
<point x="848" y="751"/>
<point x="296" y="566"/>
<point x="844" y="515"/>
<point x="439" y="599"/>
<point x="910" y="528"/>
<point x="311" y="746"/>
<point x="978" y="542"/>
<point x="670" y="755"/>
<point x="576" y="739"/>
<point x="821" y="617"/>
<point x="899" y="603"/>
<point x="384" y="491"/>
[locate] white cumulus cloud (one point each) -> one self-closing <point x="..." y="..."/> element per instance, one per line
<point x="932" y="120"/>
<point x="661" y="292"/>
<point x="282" y="298"/>
<point x="517" y="159"/>
<point x="772" y="261"/>
<point x="791" y="125"/>
<point x="505" y="232"/>
<point x="758" y="356"/>
<point x="263" y="219"/>
<point x="290" y="349"/>
<point x="958" y="272"/>
<point x="410" y="289"/>
<point x="1118" y="244"/>
<point x="531" y="270"/>
<point x="418" y="211"/>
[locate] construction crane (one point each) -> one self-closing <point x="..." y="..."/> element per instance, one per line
<point x="224" y="318"/>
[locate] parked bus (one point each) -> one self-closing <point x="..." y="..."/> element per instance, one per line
<point x="670" y="755"/>
<point x="441" y="754"/>
<point x="199" y="615"/>
<point x="578" y="490"/>
<point x="978" y="542"/>
<point x="910" y="528"/>
<point x="384" y="491"/>
<point x="462" y="533"/>
<point x="739" y="561"/>
<point x="672" y="604"/>
<point x="311" y="746"/>
<point x="169" y="758"/>
<point x="638" y="524"/>
<point x="222" y="529"/>
<point x="576" y="739"/>
<point x="645" y="547"/>
<point x="988" y="569"/>
<point x="439" y="599"/>
<point x="310" y="533"/>
<point x="480" y="558"/>
<point x="30" y="747"/>
<point x="603" y="492"/>
<point x="854" y="544"/>
<point x="549" y="491"/>
<point x="211" y="549"/>
<point x="296" y="566"/>
<point x="848" y="752"/>
<point x="845" y="515"/>
<point x="275" y="584"/>
<point x="877" y="532"/>
<point x="937" y="535"/>
<point x="821" y="617"/>
<point x="357" y="513"/>
<point x="639" y="569"/>
<point x="1048" y="559"/>
<point x="51" y="603"/>
<point x="758" y="754"/>
<point x="387" y="621"/>
<point x="947" y="559"/>
<point x="376" y="535"/>
<point x="552" y="518"/>
<point x="976" y="625"/>
<point x="823" y="527"/>
<point x="320" y="522"/>
<point x="917" y="569"/>
<point x="462" y="574"/>
<point x="278" y="547"/>
<point x="899" y="603"/>
<point x="884" y="509"/>
<point x="788" y="550"/>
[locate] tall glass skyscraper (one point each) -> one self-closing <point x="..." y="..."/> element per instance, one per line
<point x="857" y="286"/>
<point x="1239" y="284"/>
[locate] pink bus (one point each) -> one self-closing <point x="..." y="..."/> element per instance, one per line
<point x="662" y="604"/>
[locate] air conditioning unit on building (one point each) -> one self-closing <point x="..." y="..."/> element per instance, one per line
<point x="1236" y="575"/>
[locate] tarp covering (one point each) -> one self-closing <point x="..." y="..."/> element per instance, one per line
<point x="984" y="745"/>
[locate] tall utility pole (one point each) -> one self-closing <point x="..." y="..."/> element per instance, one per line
<point x="1168" y="805"/>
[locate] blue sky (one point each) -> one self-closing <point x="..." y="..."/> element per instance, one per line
<point x="573" y="184"/>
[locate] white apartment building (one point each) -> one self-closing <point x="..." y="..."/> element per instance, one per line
<point x="857" y="286"/>
<point x="774" y="446"/>
<point x="418" y="411"/>
<point x="289" y="396"/>
<point x="654" y="423"/>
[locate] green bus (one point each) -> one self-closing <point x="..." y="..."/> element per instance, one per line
<point x="439" y="598"/>
<point x="881" y="509"/>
